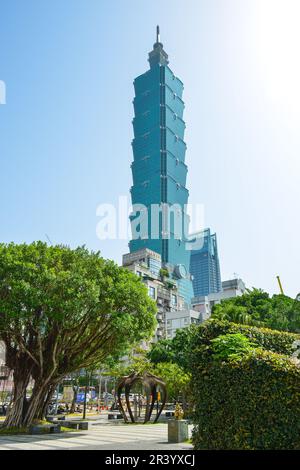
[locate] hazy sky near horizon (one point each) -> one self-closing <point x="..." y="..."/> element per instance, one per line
<point x="65" y="132"/>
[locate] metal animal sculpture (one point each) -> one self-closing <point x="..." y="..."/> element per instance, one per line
<point x="150" y="383"/>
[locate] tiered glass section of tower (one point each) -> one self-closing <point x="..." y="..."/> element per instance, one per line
<point x="158" y="169"/>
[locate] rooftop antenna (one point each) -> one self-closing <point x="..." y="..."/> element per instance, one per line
<point x="157" y="34"/>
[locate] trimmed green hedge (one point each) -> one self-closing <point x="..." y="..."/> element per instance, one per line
<point x="272" y="340"/>
<point x="251" y="402"/>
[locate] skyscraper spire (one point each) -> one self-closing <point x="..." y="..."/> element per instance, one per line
<point x="157" y="34"/>
<point x="158" y="55"/>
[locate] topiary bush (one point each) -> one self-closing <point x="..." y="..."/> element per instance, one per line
<point x="272" y="340"/>
<point x="250" y="400"/>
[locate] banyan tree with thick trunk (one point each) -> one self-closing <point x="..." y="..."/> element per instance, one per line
<point x="62" y="310"/>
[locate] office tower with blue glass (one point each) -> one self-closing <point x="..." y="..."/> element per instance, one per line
<point x="204" y="265"/>
<point x="159" y="170"/>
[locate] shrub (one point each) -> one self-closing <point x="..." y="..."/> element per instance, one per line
<point x="231" y="346"/>
<point x="250" y="400"/>
<point x="272" y="340"/>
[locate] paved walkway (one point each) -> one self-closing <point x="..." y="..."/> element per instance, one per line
<point x="100" y="436"/>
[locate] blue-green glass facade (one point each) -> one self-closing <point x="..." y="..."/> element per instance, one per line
<point x="158" y="169"/>
<point x="205" y="266"/>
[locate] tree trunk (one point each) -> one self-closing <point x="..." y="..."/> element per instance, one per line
<point x="18" y="407"/>
<point x="37" y="402"/>
<point x="42" y="413"/>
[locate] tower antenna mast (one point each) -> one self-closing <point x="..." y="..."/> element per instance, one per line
<point x="157" y="34"/>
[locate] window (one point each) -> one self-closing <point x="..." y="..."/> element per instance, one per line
<point x="174" y="299"/>
<point x="152" y="292"/>
<point x="139" y="273"/>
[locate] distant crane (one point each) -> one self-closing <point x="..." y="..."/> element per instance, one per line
<point x="48" y="239"/>
<point x="280" y="285"/>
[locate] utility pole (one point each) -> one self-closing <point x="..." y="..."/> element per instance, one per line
<point x="99" y="389"/>
<point x="105" y="391"/>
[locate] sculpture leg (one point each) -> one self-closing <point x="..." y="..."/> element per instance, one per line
<point x="127" y="390"/>
<point x="147" y="412"/>
<point x="154" y="397"/>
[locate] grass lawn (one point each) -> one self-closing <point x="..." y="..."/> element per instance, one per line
<point x="13" y="431"/>
<point x="25" y="430"/>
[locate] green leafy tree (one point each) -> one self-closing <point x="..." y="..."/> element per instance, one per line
<point x="162" y="351"/>
<point x="173" y="350"/>
<point x="62" y="310"/>
<point x="256" y="308"/>
<point x="177" y="381"/>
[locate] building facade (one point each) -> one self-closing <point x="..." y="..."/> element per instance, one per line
<point x="159" y="194"/>
<point x="231" y="288"/>
<point x="182" y="319"/>
<point x="147" y="265"/>
<point x="204" y="264"/>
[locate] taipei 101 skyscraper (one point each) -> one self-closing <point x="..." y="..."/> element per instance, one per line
<point x="159" y="170"/>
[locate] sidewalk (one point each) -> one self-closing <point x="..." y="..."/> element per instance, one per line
<point x="101" y="436"/>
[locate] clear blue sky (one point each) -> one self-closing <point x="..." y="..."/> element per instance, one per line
<point x="65" y="132"/>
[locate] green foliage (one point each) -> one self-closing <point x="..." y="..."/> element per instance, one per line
<point x="163" y="272"/>
<point x="62" y="310"/>
<point x="250" y="401"/>
<point x="177" y="380"/>
<point x="13" y="431"/>
<point x="73" y="296"/>
<point x="162" y="351"/>
<point x="255" y="307"/>
<point x="173" y="350"/>
<point x="272" y="340"/>
<point x="231" y="346"/>
<point x="139" y="364"/>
